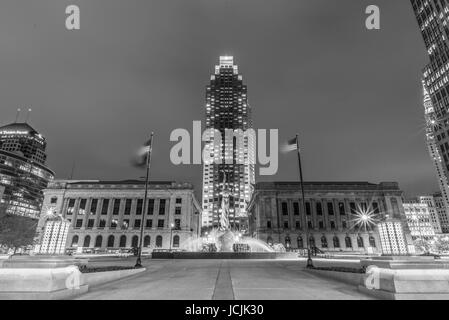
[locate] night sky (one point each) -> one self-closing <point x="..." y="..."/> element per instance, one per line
<point x="138" y="66"/>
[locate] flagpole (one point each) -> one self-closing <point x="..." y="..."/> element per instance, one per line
<point x="139" y="254"/>
<point x="309" y="256"/>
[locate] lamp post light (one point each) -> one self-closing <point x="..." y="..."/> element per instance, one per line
<point x="171" y="234"/>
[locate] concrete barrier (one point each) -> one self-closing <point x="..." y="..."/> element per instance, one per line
<point x="224" y="255"/>
<point x="346" y="277"/>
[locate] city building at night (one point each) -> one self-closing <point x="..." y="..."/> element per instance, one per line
<point x="107" y="215"/>
<point x="231" y="167"/>
<point x="432" y="18"/>
<point x="419" y="220"/>
<point x="22" y="169"/>
<point x="340" y="216"/>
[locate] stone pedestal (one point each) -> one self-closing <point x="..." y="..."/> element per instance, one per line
<point x="41" y="278"/>
<point x="406" y="278"/>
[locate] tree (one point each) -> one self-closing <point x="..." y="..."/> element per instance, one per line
<point x="17" y="231"/>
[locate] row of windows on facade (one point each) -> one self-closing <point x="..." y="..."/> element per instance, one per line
<point x="310" y="225"/>
<point x="116" y="206"/>
<point x="324" y="242"/>
<point x="330" y="208"/>
<point x="122" y="241"/>
<point x="125" y="224"/>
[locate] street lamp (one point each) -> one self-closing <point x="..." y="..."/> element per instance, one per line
<point x="171" y="234"/>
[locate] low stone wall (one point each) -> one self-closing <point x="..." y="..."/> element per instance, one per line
<point x="224" y="255"/>
<point x="98" y="278"/>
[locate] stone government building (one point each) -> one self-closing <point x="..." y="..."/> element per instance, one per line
<point x="108" y="214"/>
<point x="276" y="214"/>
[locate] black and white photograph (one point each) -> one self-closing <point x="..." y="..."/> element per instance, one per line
<point x="222" y="154"/>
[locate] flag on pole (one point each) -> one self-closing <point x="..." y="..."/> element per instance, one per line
<point x="141" y="157"/>
<point x="291" y="145"/>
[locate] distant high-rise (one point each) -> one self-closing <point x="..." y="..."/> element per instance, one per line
<point x="433" y="18"/>
<point x="22" y="169"/>
<point x="227" y="107"/>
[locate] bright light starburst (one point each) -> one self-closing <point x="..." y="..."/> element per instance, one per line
<point x="364" y="218"/>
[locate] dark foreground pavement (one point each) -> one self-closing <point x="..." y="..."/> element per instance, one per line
<point x="224" y="280"/>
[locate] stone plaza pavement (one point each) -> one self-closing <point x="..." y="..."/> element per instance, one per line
<point x="225" y="280"/>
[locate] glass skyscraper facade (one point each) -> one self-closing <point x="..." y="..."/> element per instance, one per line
<point x="231" y="165"/>
<point x="433" y="18"/>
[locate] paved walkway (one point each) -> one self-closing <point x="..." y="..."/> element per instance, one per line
<point x="225" y="280"/>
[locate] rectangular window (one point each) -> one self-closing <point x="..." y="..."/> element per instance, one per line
<point x="376" y="208"/>
<point x="90" y="223"/>
<point x="116" y="209"/>
<point x="296" y="208"/>
<point x="319" y="209"/>
<point x="297" y="225"/>
<point x="332" y="225"/>
<point x="160" y="223"/>
<point x="150" y="207"/>
<point x="268" y="224"/>
<point x="137" y="224"/>
<point x="82" y="209"/>
<point x="71" y="207"/>
<point x="79" y="223"/>
<point x="309" y="225"/>
<point x="308" y="209"/>
<point x="178" y="200"/>
<point x="128" y="207"/>
<point x="102" y="223"/>
<point x="330" y="208"/>
<point x="105" y="206"/>
<point x="284" y="209"/>
<point x="352" y="207"/>
<point x="53" y="200"/>
<point x="149" y="224"/>
<point x="178" y="210"/>
<point x="125" y="224"/>
<point x="344" y="225"/>
<point x="93" y="206"/>
<point x="177" y="224"/>
<point x="139" y="207"/>
<point x="341" y="208"/>
<point x="321" y="225"/>
<point x="162" y="207"/>
<point x="285" y="224"/>
<point x="114" y="224"/>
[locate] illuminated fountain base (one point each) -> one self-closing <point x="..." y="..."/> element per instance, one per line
<point x="226" y="245"/>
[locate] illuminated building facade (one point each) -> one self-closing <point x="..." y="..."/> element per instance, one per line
<point x="22" y="169"/>
<point x="107" y="215"/>
<point x="441" y="209"/>
<point x="340" y="216"/>
<point x="419" y="220"/>
<point x="230" y="167"/>
<point x="433" y="17"/>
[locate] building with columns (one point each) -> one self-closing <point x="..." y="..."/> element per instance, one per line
<point x="107" y="215"/>
<point x="334" y="217"/>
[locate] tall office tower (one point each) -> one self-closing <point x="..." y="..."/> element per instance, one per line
<point x="433" y="17"/>
<point x="231" y="165"/>
<point x="22" y="169"/>
<point x="435" y="219"/>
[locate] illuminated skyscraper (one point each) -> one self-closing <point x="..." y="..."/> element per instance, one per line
<point x="22" y="169"/>
<point x="231" y="164"/>
<point x="433" y="18"/>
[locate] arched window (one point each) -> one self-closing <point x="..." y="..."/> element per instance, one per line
<point x="300" y="242"/>
<point x="323" y="242"/>
<point x="98" y="241"/>
<point x="270" y="241"/>
<point x="122" y="241"/>
<point x="135" y="242"/>
<point x="111" y="241"/>
<point x="176" y="241"/>
<point x="360" y="242"/>
<point x="348" y="242"/>
<point x="336" y="242"/>
<point x="146" y="241"/>
<point x="75" y="240"/>
<point x="312" y="242"/>
<point x="159" y="242"/>
<point x="288" y="242"/>
<point x="86" y="243"/>
<point x="372" y="241"/>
